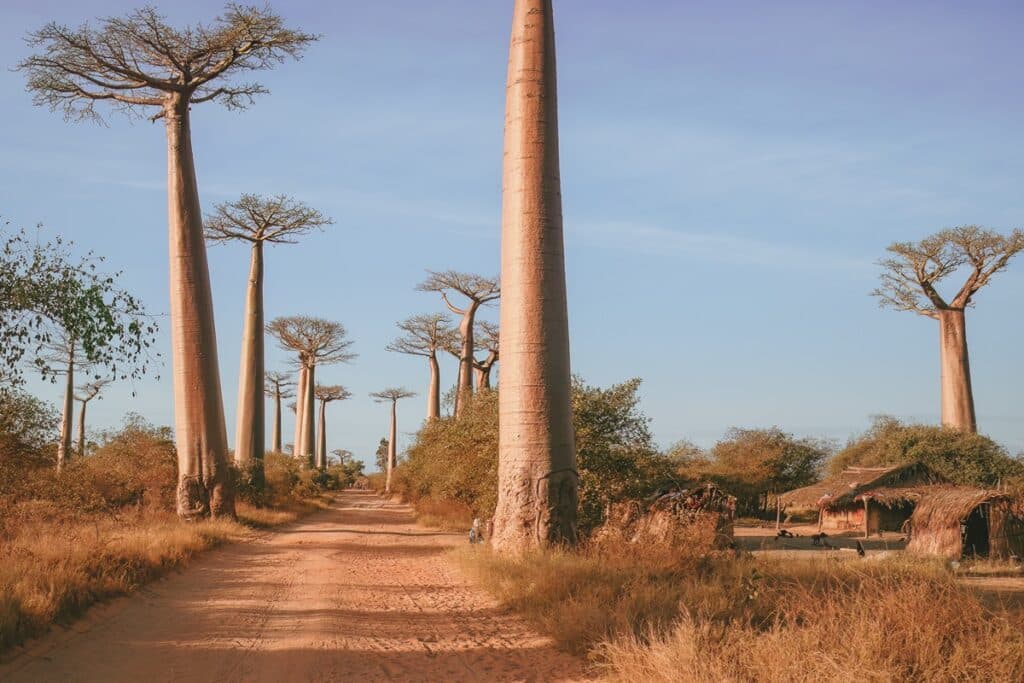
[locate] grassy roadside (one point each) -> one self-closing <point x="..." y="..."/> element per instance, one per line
<point x="56" y="564"/>
<point x="709" y="617"/>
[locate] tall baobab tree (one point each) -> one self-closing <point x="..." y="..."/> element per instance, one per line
<point x="537" y="478"/>
<point x="140" y="63"/>
<point x="257" y="221"/>
<point x="326" y="394"/>
<point x="86" y="393"/>
<point x="487" y="340"/>
<point x="278" y="386"/>
<point x="424" y="336"/>
<point x="392" y="395"/>
<point x="317" y="342"/>
<point x="910" y="279"/>
<point x="479" y="291"/>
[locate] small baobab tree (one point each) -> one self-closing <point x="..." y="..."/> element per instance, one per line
<point x="424" y="336"/>
<point x="487" y="341"/>
<point x="63" y="351"/>
<point x="326" y="394"/>
<point x="139" y="63"/>
<point x="479" y="291"/>
<point x="317" y="342"/>
<point x="393" y="396"/>
<point x="910" y="282"/>
<point x="278" y="386"/>
<point x="537" y="478"/>
<point x="257" y="221"/>
<point x="86" y="393"/>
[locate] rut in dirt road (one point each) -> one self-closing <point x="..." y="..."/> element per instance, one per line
<point x="356" y="592"/>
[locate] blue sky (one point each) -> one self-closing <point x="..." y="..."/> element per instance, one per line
<point x="731" y="172"/>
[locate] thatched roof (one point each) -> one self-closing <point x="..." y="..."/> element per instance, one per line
<point x="845" y="487"/>
<point x="947" y="506"/>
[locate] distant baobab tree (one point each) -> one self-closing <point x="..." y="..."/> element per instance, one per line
<point x="909" y="283"/>
<point x="140" y="63"/>
<point x="479" y="291"/>
<point x="486" y="340"/>
<point x="278" y="386"/>
<point x="86" y="393"/>
<point x="326" y="394"/>
<point x="64" y="352"/>
<point x="392" y="395"/>
<point x="257" y="221"/>
<point x="317" y="342"/>
<point x="424" y="336"/>
<point x="537" y="476"/>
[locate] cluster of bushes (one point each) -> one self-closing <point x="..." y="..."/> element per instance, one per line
<point x="456" y="460"/>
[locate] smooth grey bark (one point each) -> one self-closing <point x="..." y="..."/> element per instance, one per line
<point x="392" y="450"/>
<point x="957" y="395"/>
<point x="434" y="389"/>
<point x="250" y="428"/>
<point x="81" y="430"/>
<point x="300" y="400"/>
<point x="537" y="476"/>
<point x="308" y="437"/>
<point x="465" y="380"/>
<point x="275" y="437"/>
<point x="321" y="443"/>
<point x="67" y="413"/>
<point x="204" y="483"/>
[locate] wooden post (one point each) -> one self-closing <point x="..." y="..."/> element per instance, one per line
<point x="778" y="512"/>
<point x="867" y="502"/>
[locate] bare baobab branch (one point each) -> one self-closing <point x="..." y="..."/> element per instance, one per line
<point x="86" y="393"/>
<point x="479" y="291"/>
<point x="424" y="335"/>
<point x="910" y="282"/>
<point x="251" y="218"/>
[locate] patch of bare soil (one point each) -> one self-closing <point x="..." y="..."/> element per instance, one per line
<point x="357" y="592"/>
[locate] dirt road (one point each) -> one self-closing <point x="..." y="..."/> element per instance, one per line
<point x="354" y="593"/>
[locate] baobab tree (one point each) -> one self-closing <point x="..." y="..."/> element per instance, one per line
<point x="64" y="352"/>
<point x="479" y="291"/>
<point x="424" y="336"/>
<point x="278" y="386"/>
<point x="537" y="477"/>
<point x="910" y="281"/>
<point x="326" y="394"/>
<point x="257" y="221"/>
<point x="392" y="395"/>
<point x="487" y="341"/>
<point x="86" y="393"/>
<point x="137" y="64"/>
<point x="317" y="342"/>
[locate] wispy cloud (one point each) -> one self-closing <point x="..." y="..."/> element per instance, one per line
<point x="719" y="247"/>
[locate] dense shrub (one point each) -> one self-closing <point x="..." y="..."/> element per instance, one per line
<point x="962" y="457"/>
<point x="457" y="459"/>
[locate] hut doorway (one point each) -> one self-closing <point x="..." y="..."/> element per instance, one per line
<point x="976" y="532"/>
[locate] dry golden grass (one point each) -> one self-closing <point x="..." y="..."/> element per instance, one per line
<point x="716" y="618"/>
<point x="449" y="515"/>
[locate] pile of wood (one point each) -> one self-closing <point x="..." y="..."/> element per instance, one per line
<point x="703" y="514"/>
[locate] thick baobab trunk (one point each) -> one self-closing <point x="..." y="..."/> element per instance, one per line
<point x="300" y="401"/>
<point x="275" y="436"/>
<point x="250" y="427"/>
<point x="537" y="477"/>
<point x="392" y="457"/>
<point x="67" y="414"/>
<point x="321" y="438"/>
<point x="464" y="386"/>
<point x="957" y="396"/>
<point x="204" y="482"/>
<point x="434" y="391"/>
<point x="81" y="430"/>
<point x="308" y="438"/>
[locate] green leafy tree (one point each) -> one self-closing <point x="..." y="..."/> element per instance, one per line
<point x="961" y="456"/>
<point x="382" y="455"/>
<point x="755" y="464"/>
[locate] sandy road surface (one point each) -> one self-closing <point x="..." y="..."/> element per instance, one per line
<point x="354" y="593"/>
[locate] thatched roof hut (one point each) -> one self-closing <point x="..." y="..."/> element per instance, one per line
<point x="844" y="488"/>
<point x="953" y="521"/>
